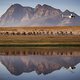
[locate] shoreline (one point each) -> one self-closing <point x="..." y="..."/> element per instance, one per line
<point x="39" y="45"/>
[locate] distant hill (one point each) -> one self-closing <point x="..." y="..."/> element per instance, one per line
<point x="41" y="15"/>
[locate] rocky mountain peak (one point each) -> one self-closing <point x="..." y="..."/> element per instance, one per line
<point x="67" y="12"/>
<point x="40" y="15"/>
<point x="47" y="6"/>
<point x="38" y="6"/>
<point x="17" y="5"/>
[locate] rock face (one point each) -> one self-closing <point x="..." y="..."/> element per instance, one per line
<point x="70" y="21"/>
<point x="41" y="15"/>
<point x="16" y="14"/>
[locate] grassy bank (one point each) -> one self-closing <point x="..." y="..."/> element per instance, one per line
<point x="40" y="40"/>
<point x="19" y="40"/>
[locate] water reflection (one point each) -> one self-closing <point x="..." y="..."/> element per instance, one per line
<point x="39" y="63"/>
<point x="40" y="51"/>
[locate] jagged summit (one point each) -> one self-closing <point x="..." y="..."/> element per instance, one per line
<point x="38" y="5"/>
<point x="41" y="15"/>
<point x="17" y="5"/>
<point x="66" y="11"/>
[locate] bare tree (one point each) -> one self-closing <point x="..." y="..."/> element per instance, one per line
<point x="1" y="33"/>
<point x="24" y="33"/>
<point x="7" y="33"/>
<point x="51" y="33"/>
<point x="71" y="33"/>
<point x="18" y="33"/>
<point x="13" y="33"/>
<point x="47" y="32"/>
<point x="34" y="33"/>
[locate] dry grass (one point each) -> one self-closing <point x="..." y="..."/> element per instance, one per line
<point x="39" y="39"/>
<point x="40" y="28"/>
<point x="20" y="39"/>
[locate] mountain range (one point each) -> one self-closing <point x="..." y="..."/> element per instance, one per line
<point x="41" y="15"/>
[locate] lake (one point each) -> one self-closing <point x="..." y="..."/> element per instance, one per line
<point x="39" y="63"/>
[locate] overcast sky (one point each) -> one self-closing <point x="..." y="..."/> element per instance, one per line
<point x="72" y="5"/>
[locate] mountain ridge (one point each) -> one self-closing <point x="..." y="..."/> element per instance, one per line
<point x="41" y="15"/>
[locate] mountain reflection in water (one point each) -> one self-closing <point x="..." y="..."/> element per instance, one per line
<point x="39" y="63"/>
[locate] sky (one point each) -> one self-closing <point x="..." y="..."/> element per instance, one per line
<point x="72" y="5"/>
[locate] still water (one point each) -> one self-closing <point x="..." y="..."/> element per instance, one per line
<point x="39" y="63"/>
